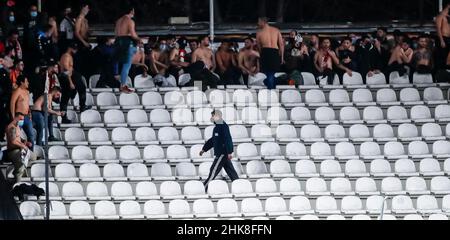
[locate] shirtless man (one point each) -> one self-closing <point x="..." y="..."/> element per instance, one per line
<point x="71" y="82"/>
<point x="324" y="60"/>
<point x="82" y="58"/>
<point x="178" y="58"/>
<point x="20" y="102"/>
<point x="227" y="65"/>
<point x="271" y="46"/>
<point x="423" y="56"/>
<point x="126" y="45"/>
<point x="39" y="117"/>
<point x="193" y="45"/>
<point x="204" y="64"/>
<point x="16" y="145"/>
<point x="248" y="60"/>
<point x="159" y="60"/>
<point x="401" y="56"/>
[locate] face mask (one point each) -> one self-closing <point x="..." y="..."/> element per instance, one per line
<point x="20" y="123"/>
<point x="1" y="66"/>
<point x="12" y="18"/>
<point x="33" y="14"/>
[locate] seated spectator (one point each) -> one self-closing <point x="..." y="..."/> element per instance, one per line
<point x="159" y="65"/>
<point x="297" y="58"/>
<point x="248" y="60"/>
<point x="71" y="82"/>
<point x="16" y="71"/>
<point x="423" y="57"/>
<point x="13" y="41"/>
<point x="370" y="56"/>
<point x="20" y="103"/>
<point x="17" y="149"/>
<point x="138" y="65"/>
<point x="5" y="96"/>
<point x="227" y="65"/>
<point x="109" y="72"/>
<point x="178" y="58"/>
<point x="346" y="54"/>
<point x="39" y="117"/>
<point x="324" y="60"/>
<point x="401" y="57"/>
<point x="204" y="64"/>
<point x="193" y="45"/>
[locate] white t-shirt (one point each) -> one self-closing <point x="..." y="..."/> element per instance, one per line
<point x="67" y="27"/>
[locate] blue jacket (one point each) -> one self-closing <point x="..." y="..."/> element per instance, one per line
<point x="221" y="140"/>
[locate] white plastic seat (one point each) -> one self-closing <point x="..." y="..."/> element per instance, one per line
<point x="65" y="172"/>
<point x="114" y="118"/>
<point x="287" y="133"/>
<point x="327" y="205"/>
<point x="316" y="187"/>
<point x="441" y="149"/>
<point x="311" y="133"/>
<point x="174" y="99"/>
<point x="427" y="204"/>
<point x="276" y="206"/>
<point x="362" y="97"/>
<point x="138" y="118"/>
<point x="350" y="115"/>
<point x="271" y="150"/>
<point x="345" y="150"/>
<point x="410" y="96"/>
<point x="339" y="97"/>
<point x="129" y="154"/>
<point x="433" y="96"/>
<point x="308" y="79"/>
<point x="335" y="133"/>
<point x="203" y="115"/>
<point x="356" y="168"/>
<point x="138" y="172"/>
<point x="122" y="136"/>
<point x="380" y="168"/>
<point x="53" y="191"/>
<point x="430" y="167"/>
<point x="320" y="151"/>
<point x="251" y="115"/>
<point x="59" y="154"/>
<point x="258" y="132"/>
<point x="179" y="209"/>
<point x="331" y="168"/>
<point x="141" y="82"/>
<point x="177" y="153"/>
<point x="121" y="191"/>
<point x="295" y="151"/>
<point x="374" y="205"/>
<point x="359" y="133"/>
<point x="405" y="168"/>
<point x="145" y="136"/>
<point x="242" y="188"/>
<point x="73" y="191"/>
<point x="419" y="150"/>
<point x="416" y="186"/>
<point x="186" y="171"/>
<point x="440" y="185"/>
<point x="105" y="154"/>
<point x="341" y="187"/>
<point x="422" y="78"/>
<point x="238" y="133"/>
<point x="252" y="207"/>
<point x="396" y="79"/>
<point x="402" y="205"/>
<point x="300" y="205"/>
<point x="373" y="115"/>
<point x="168" y="135"/>
<point x="432" y="132"/>
<point x="442" y="113"/>
<point x="218" y="189"/>
<point x="170" y="190"/>
<point x="437" y="216"/>
<point x="280" y="168"/>
<point x="107" y="100"/>
<point x="90" y="172"/>
<point x="355" y="79"/>
<point x="290" y="187"/>
<point x="219" y="98"/>
<point x="130" y="210"/>
<point x="129" y="101"/>
<point x="160" y="118"/>
<point x="98" y="136"/>
<point x="155" y="209"/>
<point x="366" y="186"/>
<point x="114" y="172"/>
<point x="203" y="208"/>
<point x="306" y="169"/>
<point x="376" y="79"/>
<point x="361" y="217"/>
<point x="325" y="115"/>
<point x="195" y="151"/>
<point x="227" y="208"/>
<point x="229" y="115"/>
<point x="146" y="191"/>
<point x="301" y="115"/>
<point x="408" y="132"/>
<point x="397" y="114"/>
<point x="277" y="115"/>
<point x="75" y="136"/>
<point x="152" y="100"/>
<point x="392" y="186"/>
<point x="196" y="99"/>
<point x="182" y="117"/>
<point x="384" y="133"/>
<point x="387" y="97"/>
<point x="447" y="166"/>
<point x="243" y="98"/>
<point x="161" y="172"/>
<point x="154" y="153"/>
<point x="352" y="205"/>
<point x="266" y="187"/>
<point x="394" y="150"/>
<point x="268" y="98"/>
<point x="421" y="114"/>
<point x="97" y="191"/>
<point x="80" y="210"/>
<point x="309" y="217"/>
<point x="370" y="150"/>
<point x="315" y="98"/>
<point x="257" y="169"/>
<point x="291" y="98"/>
<point x="31" y="210"/>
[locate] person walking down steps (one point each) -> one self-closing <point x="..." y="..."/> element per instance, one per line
<point x="222" y="143"/>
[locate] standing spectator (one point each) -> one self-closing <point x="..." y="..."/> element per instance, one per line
<point x="20" y="103"/>
<point x="5" y="96"/>
<point x="39" y="115"/>
<point x="204" y="64"/>
<point x="33" y="24"/>
<point x="138" y="65"/>
<point x="71" y="82"/>
<point x="248" y="60"/>
<point x="54" y="34"/>
<point x="109" y="73"/>
<point x="13" y="41"/>
<point x="227" y="65"/>
<point x="324" y="60"/>
<point x="82" y="39"/>
<point x="66" y="28"/>
<point x="9" y="23"/>
<point x="47" y="48"/>
<point x="443" y="32"/>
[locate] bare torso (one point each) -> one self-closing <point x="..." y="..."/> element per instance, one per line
<point x="123" y="26"/>
<point x="422" y="56"/>
<point x="249" y="59"/>
<point x="83" y="27"/>
<point x="13" y="135"/>
<point x="38" y="104"/>
<point x="205" y="55"/>
<point x="397" y="54"/>
<point x="268" y="37"/>
<point x="160" y="57"/>
<point x="226" y="59"/>
<point x="445" y="26"/>
<point x="324" y="59"/>
<point x="22" y="104"/>
<point x="66" y="62"/>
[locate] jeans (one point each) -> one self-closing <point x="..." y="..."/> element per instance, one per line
<point x="28" y="129"/>
<point x="39" y="121"/>
<point x="271" y="81"/>
<point x="127" y="65"/>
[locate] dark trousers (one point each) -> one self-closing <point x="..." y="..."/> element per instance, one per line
<point x="220" y="162"/>
<point x="328" y="73"/>
<point x="68" y="93"/>
<point x="198" y="72"/>
<point x="39" y="121"/>
<point x="231" y="76"/>
<point x="271" y="80"/>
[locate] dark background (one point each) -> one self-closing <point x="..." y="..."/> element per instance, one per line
<point x="246" y="11"/>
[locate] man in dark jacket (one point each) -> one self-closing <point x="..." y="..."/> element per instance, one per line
<point x="223" y="148"/>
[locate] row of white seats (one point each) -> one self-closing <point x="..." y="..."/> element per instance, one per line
<point x="278" y="168"/>
<point x="253" y="115"/>
<point x="249" y="151"/>
<point x="226" y="208"/>
<point x="289" y="98"/>
<point x="264" y="187"/>
<point x="259" y="133"/>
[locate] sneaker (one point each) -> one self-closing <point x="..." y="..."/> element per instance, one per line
<point x="85" y="108"/>
<point x="126" y="89"/>
<point x="53" y="139"/>
<point x="66" y="121"/>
